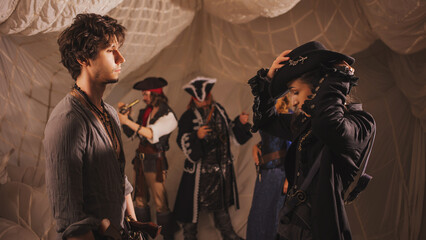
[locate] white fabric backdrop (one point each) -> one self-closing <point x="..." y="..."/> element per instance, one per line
<point x="230" y="40"/>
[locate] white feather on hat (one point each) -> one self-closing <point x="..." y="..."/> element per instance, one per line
<point x="200" y="87"/>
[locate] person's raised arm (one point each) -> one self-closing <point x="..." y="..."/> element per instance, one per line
<point x="141" y="130"/>
<point x="263" y="106"/>
<point x="341" y="130"/>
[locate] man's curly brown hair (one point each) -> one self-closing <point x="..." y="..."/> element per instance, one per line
<point x="88" y="34"/>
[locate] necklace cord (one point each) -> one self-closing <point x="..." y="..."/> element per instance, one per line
<point x="102" y="115"/>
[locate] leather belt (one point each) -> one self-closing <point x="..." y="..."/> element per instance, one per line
<point x="272" y="156"/>
<point x="142" y="155"/>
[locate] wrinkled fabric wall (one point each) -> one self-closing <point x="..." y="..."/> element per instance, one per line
<point x="29" y="17"/>
<point x="231" y="40"/>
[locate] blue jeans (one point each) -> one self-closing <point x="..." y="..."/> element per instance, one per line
<point x="268" y="198"/>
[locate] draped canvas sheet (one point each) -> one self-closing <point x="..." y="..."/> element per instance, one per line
<point x="181" y="39"/>
<point x="401" y="25"/>
<point x="231" y="47"/>
<point x="30" y="17"/>
<point x="243" y="11"/>
<point x="391" y="207"/>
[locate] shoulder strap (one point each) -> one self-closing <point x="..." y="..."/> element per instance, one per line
<point x="364" y="178"/>
<point x="299" y="196"/>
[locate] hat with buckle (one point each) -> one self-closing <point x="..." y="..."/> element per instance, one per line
<point x="150" y="83"/>
<point x="200" y="87"/>
<point x="304" y="58"/>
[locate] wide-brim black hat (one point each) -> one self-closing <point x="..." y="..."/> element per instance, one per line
<point x="150" y="83"/>
<point x="200" y="87"/>
<point x="304" y="58"/>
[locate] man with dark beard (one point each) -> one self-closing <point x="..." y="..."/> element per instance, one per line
<point x="85" y="178"/>
<point x="153" y="127"/>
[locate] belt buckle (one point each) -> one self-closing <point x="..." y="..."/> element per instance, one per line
<point x="141" y="156"/>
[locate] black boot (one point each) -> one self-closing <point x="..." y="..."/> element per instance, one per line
<point x="169" y="225"/>
<point x="143" y="214"/>
<point x="189" y="231"/>
<point x="222" y="221"/>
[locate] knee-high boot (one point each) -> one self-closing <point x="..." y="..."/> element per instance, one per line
<point x="168" y="223"/>
<point x="190" y="231"/>
<point x="222" y="221"/>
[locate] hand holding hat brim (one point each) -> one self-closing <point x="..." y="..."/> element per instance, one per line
<point x="303" y="59"/>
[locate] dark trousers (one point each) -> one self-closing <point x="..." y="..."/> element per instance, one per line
<point x="267" y="201"/>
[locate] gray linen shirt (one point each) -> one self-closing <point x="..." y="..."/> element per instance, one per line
<point x="84" y="178"/>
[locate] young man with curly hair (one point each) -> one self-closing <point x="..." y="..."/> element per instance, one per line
<point x="87" y="187"/>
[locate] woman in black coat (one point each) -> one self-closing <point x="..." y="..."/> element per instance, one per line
<point x="330" y="138"/>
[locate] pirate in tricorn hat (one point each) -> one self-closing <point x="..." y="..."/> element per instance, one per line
<point x="331" y="138"/>
<point x="153" y="127"/>
<point x="208" y="181"/>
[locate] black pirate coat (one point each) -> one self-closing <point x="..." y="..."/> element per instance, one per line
<point x="342" y="134"/>
<point x="188" y="198"/>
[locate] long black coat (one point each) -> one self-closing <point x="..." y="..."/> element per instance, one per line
<point x="186" y="205"/>
<point x="345" y="135"/>
<point x="342" y="133"/>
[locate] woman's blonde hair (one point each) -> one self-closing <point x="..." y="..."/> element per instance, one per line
<point x="282" y="105"/>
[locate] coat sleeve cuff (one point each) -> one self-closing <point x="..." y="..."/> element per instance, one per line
<point x="241" y="131"/>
